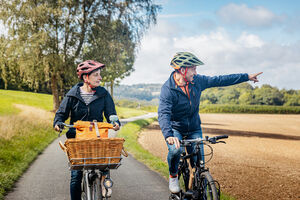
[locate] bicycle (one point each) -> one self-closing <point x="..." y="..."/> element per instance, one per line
<point x="96" y="169"/>
<point x="198" y="185"/>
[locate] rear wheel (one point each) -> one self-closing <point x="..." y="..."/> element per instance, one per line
<point x="206" y="187"/>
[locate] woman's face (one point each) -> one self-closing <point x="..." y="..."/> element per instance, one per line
<point x="94" y="78"/>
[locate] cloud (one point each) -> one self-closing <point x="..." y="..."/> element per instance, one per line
<point x="207" y="24"/>
<point x="221" y="53"/>
<point x="293" y="25"/>
<point x="180" y="15"/>
<point x="258" y="17"/>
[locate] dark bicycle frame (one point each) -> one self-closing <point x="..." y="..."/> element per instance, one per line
<point x="183" y="169"/>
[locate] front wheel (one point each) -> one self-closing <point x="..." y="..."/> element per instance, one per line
<point x="84" y="188"/>
<point x="97" y="189"/>
<point x="206" y="187"/>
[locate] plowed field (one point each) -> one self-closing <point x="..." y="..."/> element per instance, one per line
<point x="261" y="159"/>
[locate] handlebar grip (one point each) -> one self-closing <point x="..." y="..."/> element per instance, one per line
<point x="221" y="137"/>
<point x="113" y="118"/>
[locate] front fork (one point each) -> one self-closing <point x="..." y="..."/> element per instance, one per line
<point x="89" y="177"/>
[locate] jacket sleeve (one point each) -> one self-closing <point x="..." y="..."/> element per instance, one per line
<point x="165" y="111"/>
<point x="63" y="112"/>
<point x="109" y="108"/>
<point x="223" y="80"/>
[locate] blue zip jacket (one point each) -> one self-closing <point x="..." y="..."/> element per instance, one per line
<point x="177" y="111"/>
<point x="73" y="104"/>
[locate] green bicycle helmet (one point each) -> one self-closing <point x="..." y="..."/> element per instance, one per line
<point x="185" y="59"/>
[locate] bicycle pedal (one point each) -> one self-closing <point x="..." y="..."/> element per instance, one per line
<point x="189" y="193"/>
<point x="174" y="196"/>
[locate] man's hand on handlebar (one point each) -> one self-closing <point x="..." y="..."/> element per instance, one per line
<point x="173" y="140"/>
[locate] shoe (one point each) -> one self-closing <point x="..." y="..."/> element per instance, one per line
<point x="106" y="192"/>
<point x="174" y="185"/>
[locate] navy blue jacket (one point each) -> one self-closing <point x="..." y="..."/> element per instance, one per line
<point x="73" y="104"/>
<point x="177" y="111"/>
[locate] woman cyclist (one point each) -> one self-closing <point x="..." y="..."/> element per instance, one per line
<point x="86" y="101"/>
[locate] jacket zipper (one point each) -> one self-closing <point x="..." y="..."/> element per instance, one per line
<point x="188" y="123"/>
<point x="88" y="112"/>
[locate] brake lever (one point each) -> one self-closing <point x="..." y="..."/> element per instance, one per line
<point x="222" y="142"/>
<point x="61" y="128"/>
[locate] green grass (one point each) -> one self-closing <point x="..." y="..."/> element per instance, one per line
<point x="255" y="109"/>
<point x="18" y="152"/>
<point x="124" y="113"/>
<point x="45" y="101"/>
<point x="28" y="138"/>
<point x="9" y="97"/>
<point x="130" y="132"/>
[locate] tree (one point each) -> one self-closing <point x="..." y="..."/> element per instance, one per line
<point x="111" y="42"/>
<point x="268" y="95"/>
<point x="230" y="96"/>
<point x="292" y="99"/>
<point x="49" y="34"/>
<point x="246" y="98"/>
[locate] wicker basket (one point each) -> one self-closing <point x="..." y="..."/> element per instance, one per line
<point x="94" y="152"/>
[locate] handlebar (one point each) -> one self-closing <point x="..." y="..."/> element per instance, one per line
<point x="221" y="137"/>
<point x="62" y="125"/>
<point x="212" y="140"/>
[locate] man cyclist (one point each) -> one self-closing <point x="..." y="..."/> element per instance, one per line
<point x="86" y="101"/>
<point x="179" y="106"/>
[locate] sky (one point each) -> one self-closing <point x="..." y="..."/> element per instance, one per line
<point x="228" y="36"/>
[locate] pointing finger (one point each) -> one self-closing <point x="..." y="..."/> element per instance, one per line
<point x="258" y="73"/>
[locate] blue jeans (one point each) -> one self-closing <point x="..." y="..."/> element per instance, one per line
<point x="75" y="184"/>
<point x="174" y="154"/>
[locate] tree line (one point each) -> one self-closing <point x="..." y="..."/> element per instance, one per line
<point x="46" y="39"/>
<point x="241" y="94"/>
<point x="246" y="94"/>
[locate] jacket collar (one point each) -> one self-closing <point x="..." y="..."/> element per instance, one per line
<point x="172" y="84"/>
<point x="75" y="92"/>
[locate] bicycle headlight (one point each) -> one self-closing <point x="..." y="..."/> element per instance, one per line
<point x="108" y="183"/>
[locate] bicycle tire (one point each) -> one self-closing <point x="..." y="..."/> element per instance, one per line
<point x="184" y="173"/>
<point x="97" y="189"/>
<point x="83" y="189"/>
<point x="208" y="187"/>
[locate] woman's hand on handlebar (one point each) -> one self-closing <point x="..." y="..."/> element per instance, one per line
<point x="59" y="126"/>
<point x="116" y="127"/>
<point x="173" y="140"/>
<point x="56" y="128"/>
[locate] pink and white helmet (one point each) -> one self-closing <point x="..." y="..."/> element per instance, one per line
<point x="87" y="67"/>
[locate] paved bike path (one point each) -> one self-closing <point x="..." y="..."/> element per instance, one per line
<point x="48" y="178"/>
